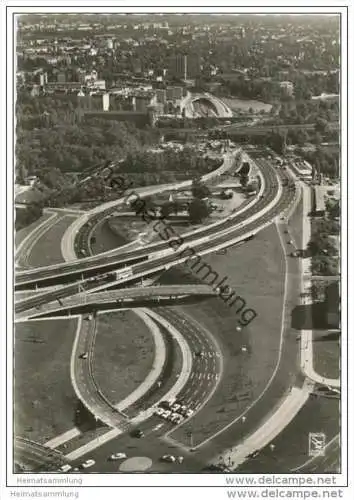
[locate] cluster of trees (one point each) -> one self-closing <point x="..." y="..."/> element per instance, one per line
<point x="52" y="142"/>
<point x="187" y="161"/>
<point x="140" y="168"/>
<point x="199" y="189"/>
<point x="333" y="210"/>
<point x="199" y="208"/>
<point x="322" y="247"/>
<point x="25" y="216"/>
<point x="311" y="111"/>
<point x="305" y="86"/>
<point x="325" y="160"/>
<point x="243" y="173"/>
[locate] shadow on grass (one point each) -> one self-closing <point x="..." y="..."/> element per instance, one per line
<point x="84" y="420"/>
<point x="309" y="317"/>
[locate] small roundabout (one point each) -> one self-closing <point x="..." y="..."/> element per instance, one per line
<point x="136" y="464"/>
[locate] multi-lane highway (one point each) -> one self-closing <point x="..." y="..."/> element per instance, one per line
<point x="219" y="239"/>
<point x="206" y="370"/>
<point x="105" y="262"/>
<point x="202" y="379"/>
<point x="32" y="456"/>
<point x="83" y="379"/>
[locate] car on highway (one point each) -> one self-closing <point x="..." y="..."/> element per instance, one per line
<point x="88" y="463"/>
<point x="168" y="458"/>
<point x="84" y="355"/>
<point x="65" y="468"/>
<point x="199" y="354"/>
<point x="176" y="418"/>
<point x="159" y="412"/>
<point x="180" y="459"/>
<point x="118" y="456"/>
<point x="183" y="409"/>
<point x="166" y="414"/>
<point x="138" y="433"/>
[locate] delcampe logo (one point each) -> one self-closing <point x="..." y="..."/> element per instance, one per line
<point x="317" y="443"/>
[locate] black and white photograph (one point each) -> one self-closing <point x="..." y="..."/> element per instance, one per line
<point x="177" y="259"/>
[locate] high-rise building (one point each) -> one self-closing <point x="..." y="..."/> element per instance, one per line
<point x="193" y="66"/>
<point x="43" y="79"/>
<point x="177" y="66"/>
<point x="161" y="96"/>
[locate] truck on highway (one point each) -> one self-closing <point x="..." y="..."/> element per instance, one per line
<point x="124" y="273"/>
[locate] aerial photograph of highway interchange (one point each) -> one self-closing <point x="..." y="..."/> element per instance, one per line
<point x="177" y="245"/>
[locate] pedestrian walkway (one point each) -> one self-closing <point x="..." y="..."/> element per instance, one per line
<point x="306" y="283"/>
<point x="265" y="434"/>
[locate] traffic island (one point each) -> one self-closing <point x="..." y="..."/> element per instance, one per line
<point x="123" y="354"/>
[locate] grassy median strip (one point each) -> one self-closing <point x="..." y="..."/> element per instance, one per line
<point x="123" y="354"/>
<point x="169" y="374"/>
<point x="47" y="249"/>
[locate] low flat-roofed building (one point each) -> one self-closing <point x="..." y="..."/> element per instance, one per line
<point x="319" y="205"/>
<point x="302" y="169"/>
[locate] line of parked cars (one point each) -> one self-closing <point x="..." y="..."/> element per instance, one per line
<point x="171" y="459"/>
<point x="85" y="465"/>
<point x="173" y="411"/>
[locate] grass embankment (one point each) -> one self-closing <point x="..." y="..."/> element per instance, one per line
<point x="44" y="400"/>
<point x="124" y="354"/>
<point x="107" y="238"/>
<point x="47" y="249"/>
<point x="255" y="271"/>
<point x="22" y="233"/>
<point x="326" y="354"/>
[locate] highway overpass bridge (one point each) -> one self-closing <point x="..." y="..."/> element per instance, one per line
<point x="113" y="260"/>
<point x="275" y="201"/>
<point x="115" y="299"/>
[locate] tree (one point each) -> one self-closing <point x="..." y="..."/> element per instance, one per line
<point x="198" y="210"/>
<point x="167" y="209"/>
<point x="244" y="180"/>
<point x="321" y="125"/>
<point x="333" y="208"/>
<point x="199" y="190"/>
<point x="245" y="169"/>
